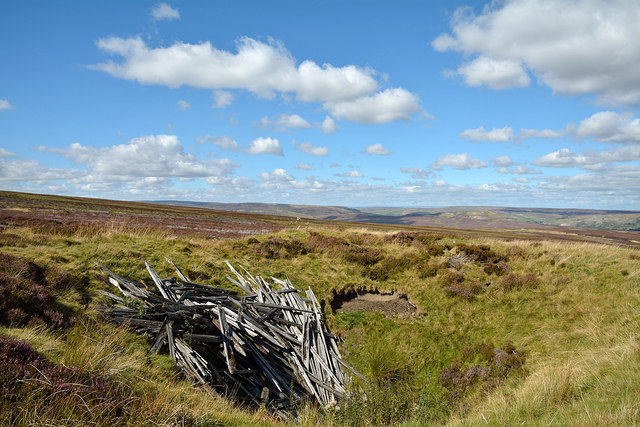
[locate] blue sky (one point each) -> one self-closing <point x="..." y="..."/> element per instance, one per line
<point x="377" y="103"/>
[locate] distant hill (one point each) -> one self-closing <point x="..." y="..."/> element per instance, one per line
<point x="455" y="216"/>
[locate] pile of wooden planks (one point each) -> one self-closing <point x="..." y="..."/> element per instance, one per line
<point x="264" y="347"/>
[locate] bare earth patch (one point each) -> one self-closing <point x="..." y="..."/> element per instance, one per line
<point x="389" y="304"/>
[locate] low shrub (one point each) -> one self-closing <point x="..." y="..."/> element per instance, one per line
<point x="464" y="290"/>
<point x="27" y="292"/>
<point x="515" y="252"/>
<point x="10" y="239"/>
<point x="481" y="253"/>
<point x="365" y="239"/>
<point x="64" y="393"/>
<point x="427" y="270"/>
<point x="318" y="242"/>
<point x="512" y="282"/>
<point x="428" y="239"/>
<point x="492" y="262"/>
<point x="401" y="238"/>
<point x="499" y="269"/>
<point x="481" y="367"/>
<point x="435" y="249"/>
<point x="278" y="248"/>
<point x="390" y="266"/>
<point x="362" y="255"/>
<point x="450" y="277"/>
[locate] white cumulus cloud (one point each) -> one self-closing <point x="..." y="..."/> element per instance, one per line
<point x="590" y="160"/>
<point x="540" y="133"/>
<point x="5" y="105"/>
<point x="304" y="166"/>
<point x="574" y="47"/>
<point x="276" y="175"/>
<point x="183" y="105"/>
<point x="376" y="149"/>
<point x="225" y="142"/>
<point x="504" y="161"/>
<point x="309" y="148"/>
<point x="162" y="11"/>
<point x="496" y="74"/>
<point x="383" y="107"/>
<point x="258" y="67"/>
<point x="146" y="156"/>
<point x="462" y="161"/>
<point x="265" y="146"/>
<point x="221" y="99"/>
<point x="348" y="92"/>
<point x="504" y="134"/>
<point x="328" y="125"/>
<point x="285" y="122"/>
<point x="21" y="171"/>
<point x="519" y="170"/>
<point x="349" y="174"/>
<point x="416" y="173"/>
<point x="609" y="126"/>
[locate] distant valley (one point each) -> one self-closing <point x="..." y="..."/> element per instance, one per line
<point x="454" y="217"/>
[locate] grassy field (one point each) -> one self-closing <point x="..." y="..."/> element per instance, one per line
<point x="505" y="331"/>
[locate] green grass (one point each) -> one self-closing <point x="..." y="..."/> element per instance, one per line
<point x="578" y="323"/>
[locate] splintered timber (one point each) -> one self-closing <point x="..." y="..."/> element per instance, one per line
<point x="261" y="346"/>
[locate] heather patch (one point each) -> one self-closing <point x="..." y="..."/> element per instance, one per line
<point x="466" y="291"/>
<point x="513" y="282"/>
<point x="27" y="292"/>
<point x="26" y="375"/>
<point x="481" y="367"/>
<point x="279" y="248"/>
<point x="392" y="265"/>
<point x="362" y="255"/>
<point x="319" y="242"/>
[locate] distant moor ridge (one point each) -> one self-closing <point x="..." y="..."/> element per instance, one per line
<point x="455" y="216"/>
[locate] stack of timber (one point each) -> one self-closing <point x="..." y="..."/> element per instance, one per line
<point x="265" y="347"/>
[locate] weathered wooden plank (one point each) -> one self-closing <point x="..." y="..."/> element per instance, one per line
<point x="242" y="283"/>
<point x="353" y="371"/>
<point x="160" y="337"/>
<point x="110" y="295"/>
<point x="282" y="307"/>
<point x="170" y="341"/>
<point x="119" y="282"/>
<point x="302" y="372"/>
<point x="182" y="276"/>
<point x="226" y="342"/>
<point x="157" y="281"/>
<point x="202" y="337"/>
<point x="277" y="381"/>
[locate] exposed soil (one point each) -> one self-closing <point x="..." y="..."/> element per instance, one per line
<point x="389" y="304"/>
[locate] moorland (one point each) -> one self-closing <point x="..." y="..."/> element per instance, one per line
<point x="451" y="326"/>
<point x="470" y="217"/>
